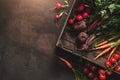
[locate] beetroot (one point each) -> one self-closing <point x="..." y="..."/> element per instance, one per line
<point x="82" y="37"/>
<point x="79" y="26"/>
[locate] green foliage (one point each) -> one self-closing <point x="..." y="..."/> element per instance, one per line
<point x="113" y="7"/>
<point x="79" y="75"/>
<point x="107" y="7"/>
<point x="111" y="25"/>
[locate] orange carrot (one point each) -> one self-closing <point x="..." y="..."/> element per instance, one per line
<point x="103" y="46"/>
<point x="102" y="53"/>
<point x="102" y="43"/>
<point x="66" y="62"/>
<point x="111" y="53"/>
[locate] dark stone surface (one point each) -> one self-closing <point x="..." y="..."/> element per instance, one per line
<point x="28" y="35"/>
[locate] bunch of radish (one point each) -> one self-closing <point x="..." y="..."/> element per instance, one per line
<point x="59" y="6"/>
<point x="82" y="13"/>
<point x="78" y="22"/>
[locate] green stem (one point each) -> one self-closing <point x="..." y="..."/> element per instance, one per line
<point x="66" y="4"/>
<point x="114" y="37"/>
<point x="75" y="73"/>
<point x="115" y="44"/>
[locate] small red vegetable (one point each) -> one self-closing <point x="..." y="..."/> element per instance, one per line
<point x="93" y="68"/>
<point x="95" y="78"/>
<point x="112" y="60"/>
<point x="102" y="77"/>
<point x="81" y="7"/>
<point x="85" y="15"/>
<point x="101" y="71"/>
<point x="116" y="56"/>
<point x="79" y="17"/>
<point x="57" y="17"/>
<point x="85" y="70"/>
<point x="117" y="69"/>
<point x="108" y="64"/>
<point x="58" y="6"/>
<point x="90" y="75"/>
<point x="109" y="73"/>
<point x="70" y="21"/>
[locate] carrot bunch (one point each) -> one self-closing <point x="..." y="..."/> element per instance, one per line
<point x="108" y="47"/>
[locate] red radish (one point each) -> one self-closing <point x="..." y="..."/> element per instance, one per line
<point x="112" y="60"/>
<point x="57" y="17"/>
<point x="70" y="21"/>
<point x="109" y="73"/>
<point x="108" y="64"/>
<point x="58" y="6"/>
<point x="102" y="77"/>
<point x="85" y="15"/>
<point x="116" y="56"/>
<point x="117" y="69"/>
<point x="81" y="7"/>
<point x="79" y="17"/>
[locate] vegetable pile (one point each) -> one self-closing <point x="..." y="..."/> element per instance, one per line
<point x="90" y="71"/>
<point x="97" y="25"/>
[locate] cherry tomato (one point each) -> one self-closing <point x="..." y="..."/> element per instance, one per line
<point x="95" y="78"/>
<point x="117" y="69"/>
<point x="116" y="56"/>
<point x="93" y="68"/>
<point x="90" y="75"/>
<point x="109" y="73"/>
<point x="113" y="60"/>
<point x="108" y="64"/>
<point x="85" y="70"/>
<point x="100" y="71"/>
<point x="102" y="77"/>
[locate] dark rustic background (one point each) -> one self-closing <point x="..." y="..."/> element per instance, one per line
<point x="28" y="34"/>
